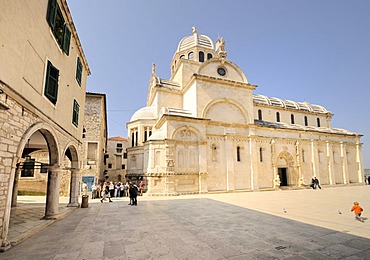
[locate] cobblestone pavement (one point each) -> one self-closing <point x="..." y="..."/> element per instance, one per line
<point x="292" y="224"/>
<point x="27" y="218"/>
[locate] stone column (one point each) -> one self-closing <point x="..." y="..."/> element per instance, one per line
<point x="313" y="162"/>
<point x="15" y="187"/>
<point x="359" y="162"/>
<point x="329" y="154"/>
<point x="202" y="180"/>
<point x="253" y="153"/>
<point x="229" y="151"/>
<point x="74" y="188"/>
<point x="276" y="178"/>
<point x="52" y="195"/>
<point x="343" y="154"/>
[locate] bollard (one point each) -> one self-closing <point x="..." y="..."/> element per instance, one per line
<point x="85" y="201"/>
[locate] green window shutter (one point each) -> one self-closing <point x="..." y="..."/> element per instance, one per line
<point x="66" y="39"/>
<point x="76" y="111"/>
<point x="51" y="83"/>
<point x="50" y="17"/>
<point x="79" y="71"/>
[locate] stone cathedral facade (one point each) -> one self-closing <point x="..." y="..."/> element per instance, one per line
<point x="205" y="130"/>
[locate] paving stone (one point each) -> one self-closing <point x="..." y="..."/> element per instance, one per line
<point x="213" y="226"/>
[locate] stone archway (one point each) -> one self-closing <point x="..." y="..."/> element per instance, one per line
<point x="71" y="153"/>
<point x="285" y="170"/>
<point x="48" y="133"/>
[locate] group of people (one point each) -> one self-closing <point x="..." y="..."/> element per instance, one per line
<point x="109" y="189"/>
<point x="315" y="183"/>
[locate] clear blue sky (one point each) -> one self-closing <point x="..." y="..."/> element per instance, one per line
<point x="307" y="50"/>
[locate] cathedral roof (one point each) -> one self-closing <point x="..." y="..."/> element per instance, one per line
<point x="195" y="40"/>
<point x="303" y="128"/>
<point x="145" y="113"/>
<point x="277" y="102"/>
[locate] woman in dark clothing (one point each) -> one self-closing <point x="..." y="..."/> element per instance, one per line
<point x="133" y="195"/>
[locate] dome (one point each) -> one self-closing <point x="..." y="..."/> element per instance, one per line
<point x="195" y="40"/>
<point x="145" y="113"/>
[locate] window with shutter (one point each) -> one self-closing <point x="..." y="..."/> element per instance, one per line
<point x="58" y="26"/>
<point x="51" y="83"/>
<point x="76" y="110"/>
<point x="66" y="39"/>
<point x="79" y="71"/>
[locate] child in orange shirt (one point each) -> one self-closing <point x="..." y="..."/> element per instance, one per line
<point x="358" y="210"/>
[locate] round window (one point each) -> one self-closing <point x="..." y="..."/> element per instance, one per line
<point x="221" y="71"/>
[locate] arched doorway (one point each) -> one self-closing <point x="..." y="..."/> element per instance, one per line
<point x="285" y="169"/>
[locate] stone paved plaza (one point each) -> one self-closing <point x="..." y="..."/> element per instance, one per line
<point x="290" y="224"/>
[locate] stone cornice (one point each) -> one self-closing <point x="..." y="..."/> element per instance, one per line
<point x="218" y="80"/>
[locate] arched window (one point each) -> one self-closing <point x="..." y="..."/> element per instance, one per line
<point x="182" y="56"/>
<point x="292" y="119"/>
<point x="238" y="153"/>
<point x="305" y="121"/>
<point x="214" y="152"/>
<point x="209" y="56"/>
<point x="259" y="114"/>
<point x="191" y="55"/>
<point x="261" y="155"/>
<point x="277" y="117"/>
<point x="201" y="56"/>
<point x="132" y="139"/>
<point x="318" y="122"/>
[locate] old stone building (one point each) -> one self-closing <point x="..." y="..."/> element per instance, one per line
<point x="92" y="152"/>
<point x="94" y="136"/>
<point x="205" y="130"/>
<point x="116" y="159"/>
<point x="43" y="73"/>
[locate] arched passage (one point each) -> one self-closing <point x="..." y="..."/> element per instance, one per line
<point x="38" y="138"/>
<point x="71" y="175"/>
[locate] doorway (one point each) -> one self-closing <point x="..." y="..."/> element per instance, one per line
<point x="283" y="176"/>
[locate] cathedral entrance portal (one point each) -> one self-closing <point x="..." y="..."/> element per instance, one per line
<point x="285" y="170"/>
<point x="283" y="176"/>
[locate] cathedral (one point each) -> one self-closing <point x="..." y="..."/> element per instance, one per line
<point x="205" y="130"/>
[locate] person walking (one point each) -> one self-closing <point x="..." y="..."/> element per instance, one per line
<point x="141" y="187"/>
<point x="133" y="195"/>
<point x="358" y="211"/>
<point x="111" y="189"/>
<point x="94" y="188"/>
<point x="106" y="194"/>
<point x="118" y="190"/>
<point x="126" y="189"/>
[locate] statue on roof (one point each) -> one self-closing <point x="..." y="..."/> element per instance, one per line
<point x="220" y="44"/>
<point x="194" y="30"/>
<point x="153" y="68"/>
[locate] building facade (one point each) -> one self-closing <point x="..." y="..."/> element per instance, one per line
<point x="94" y="137"/>
<point x="116" y="159"/>
<point x="205" y="130"/>
<point x="43" y="73"/>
